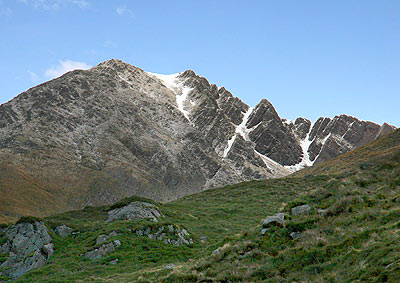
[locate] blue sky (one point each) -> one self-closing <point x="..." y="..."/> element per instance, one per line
<point x="309" y="58"/>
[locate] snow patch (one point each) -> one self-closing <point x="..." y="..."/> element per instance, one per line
<point x="348" y="129"/>
<point x="125" y="80"/>
<point x="305" y="161"/>
<point x="228" y="148"/>
<point x="177" y="86"/>
<point x="180" y="100"/>
<point x="240" y="130"/>
<point x="272" y="165"/>
<point x="287" y="122"/>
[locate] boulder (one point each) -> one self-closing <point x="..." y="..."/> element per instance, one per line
<point x="169" y="234"/>
<point x="63" y="230"/>
<point x="301" y="209"/>
<point x="114" y="261"/>
<point x="102" y="250"/>
<point x="101" y="239"/>
<point x="274" y="220"/>
<point x="28" y="245"/>
<point x="170" y="266"/>
<point x="322" y="212"/>
<point x="295" y="235"/>
<point x="135" y="210"/>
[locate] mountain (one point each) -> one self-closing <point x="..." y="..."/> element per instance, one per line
<point x="94" y="137"/>
<point x="341" y="225"/>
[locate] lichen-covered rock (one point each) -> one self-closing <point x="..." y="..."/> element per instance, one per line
<point x="63" y="230"/>
<point x="103" y="250"/>
<point x="170" y="266"/>
<point x="28" y="245"/>
<point x="102" y="247"/>
<point x="295" y="235"/>
<point x="301" y="209"/>
<point x="169" y="234"/>
<point x="322" y="212"/>
<point x="101" y="239"/>
<point x="277" y="219"/>
<point x="135" y="210"/>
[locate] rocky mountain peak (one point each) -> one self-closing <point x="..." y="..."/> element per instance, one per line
<point x="92" y="137"/>
<point x="264" y="111"/>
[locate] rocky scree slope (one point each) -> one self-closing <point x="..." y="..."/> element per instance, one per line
<point x="96" y="136"/>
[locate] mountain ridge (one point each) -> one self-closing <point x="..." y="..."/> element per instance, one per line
<point x="93" y="137"/>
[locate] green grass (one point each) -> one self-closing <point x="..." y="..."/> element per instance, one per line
<point x="28" y="219"/>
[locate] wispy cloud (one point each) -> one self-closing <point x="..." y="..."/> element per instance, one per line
<point x="55" y="4"/>
<point x="110" y="43"/>
<point x="34" y="77"/>
<point x="123" y="11"/>
<point x="65" y="66"/>
<point x="5" y="11"/>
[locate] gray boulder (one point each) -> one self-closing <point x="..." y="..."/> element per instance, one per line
<point x="169" y="234"/>
<point x="28" y="245"/>
<point x="301" y="209"/>
<point x="277" y="219"/>
<point x="295" y="235"/>
<point x="103" y="250"/>
<point x="63" y="230"/>
<point x="114" y="261"/>
<point x="170" y="266"/>
<point x="322" y="212"/>
<point x="101" y="239"/>
<point x="135" y="210"/>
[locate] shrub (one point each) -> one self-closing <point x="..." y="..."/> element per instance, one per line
<point x="126" y="201"/>
<point x="343" y="205"/>
<point x="28" y="219"/>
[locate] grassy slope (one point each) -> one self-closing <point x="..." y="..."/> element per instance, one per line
<point x="358" y="239"/>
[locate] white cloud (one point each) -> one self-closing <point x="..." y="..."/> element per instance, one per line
<point x="34" y="77"/>
<point x="123" y="11"/>
<point x="55" y="4"/>
<point x="64" y="67"/>
<point x="110" y="43"/>
<point x="81" y="3"/>
<point x="5" y="11"/>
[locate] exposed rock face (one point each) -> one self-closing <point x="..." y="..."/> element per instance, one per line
<point x="271" y="137"/>
<point x="94" y="137"/>
<point x="301" y="209"/>
<point x="103" y="250"/>
<point x="135" y="210"/>
<point x="63" y="230"/>
<point x="330" y="137"/>
<point x="277" y="219"/>
<point x="28" y="245"/>
<point x="169" y="234"/>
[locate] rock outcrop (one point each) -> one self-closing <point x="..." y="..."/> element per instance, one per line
<point x="301" y="209"/>
<point x="135" y="210"/>
<point x="63" y="230"/>
<point x="274" y="220"/>
<point x="169" y="234"/>
<point x="102" y="250"/>
<point x="103" y="246"/>
<point x="28" y="246"/>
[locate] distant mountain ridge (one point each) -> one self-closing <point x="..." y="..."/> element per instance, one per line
<point x="94" y="137"/>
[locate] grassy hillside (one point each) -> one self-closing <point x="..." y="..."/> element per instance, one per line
<point x="352" y="232"/>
